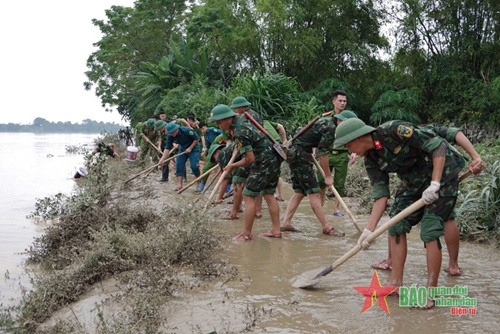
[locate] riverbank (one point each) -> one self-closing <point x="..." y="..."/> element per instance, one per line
<point x="138" y="257"/>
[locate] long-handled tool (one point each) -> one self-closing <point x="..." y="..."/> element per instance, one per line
<point x="156" y="148"/>
<point x="310" y="278"/>
<point x="337" y="196"/>
<point x="197" y="179"/>
<point x="233" y="157"/>
<point x="305" y="128"/>
<point x="154" y="166"/>
<point x="209" y="184"/>
<point x="276" y="145"/>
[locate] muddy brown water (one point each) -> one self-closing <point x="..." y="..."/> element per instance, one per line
<point x="262" y="298"/>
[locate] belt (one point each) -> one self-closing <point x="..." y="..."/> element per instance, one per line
<point x="338" y="152"/>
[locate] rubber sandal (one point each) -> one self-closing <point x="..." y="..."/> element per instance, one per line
<point x="241" y="237"/>
<point x="338" y="214"/>
<point x="270" y="234"/>
<point x="382" y="265"/>
<point x="333" y="231"/>
<point x="289" y="228"/>
<point x="279" y="200"/>
<point x="460" y="272"/>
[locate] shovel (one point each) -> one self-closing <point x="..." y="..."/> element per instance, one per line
<point x="305" y="128"/>
<point x="197" y="179"/>
<point x="154" y="166"/>
<point x="276" y="146"/>
<point x="337" y="195"/>
<point x="310" y="278"/>
<point x="233" y="157"/>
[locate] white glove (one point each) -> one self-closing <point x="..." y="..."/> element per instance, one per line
<point x="363" y="244"/>
<point x="431" y="194"/>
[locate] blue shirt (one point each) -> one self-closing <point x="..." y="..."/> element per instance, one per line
<point x="184" y="138"/>
<point x="210" y="135"/>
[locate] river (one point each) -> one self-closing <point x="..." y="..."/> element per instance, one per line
<point x="31" y="166"/>
<point x="262" y="297"/>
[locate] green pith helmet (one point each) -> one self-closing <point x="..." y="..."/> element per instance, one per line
<point x="150" y="122"/>
<point x="159" y="124"/>
<point x="240" y="101"/>
<point x="212" y="150"/>
<point x="221" y="111"/>
<point x="171" y="127"/>
<point x="349" y="130"/>
<point x="345" y="115"/>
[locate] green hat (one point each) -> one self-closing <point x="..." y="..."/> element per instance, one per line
<point x="345" y="115"/>
<point x="159" y="124"/>
<point x="240" y="101"/>
<point x="349" y="130"/>
<point x="150" y="122"/>
<point x="221" y="111"/>
<point x="212" y="150"/>
<point x="171" y="127"/>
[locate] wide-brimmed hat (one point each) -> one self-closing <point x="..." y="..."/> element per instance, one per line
<point x="150" y="122"/>
<point x="345" y="115"/>
<point x="349" y="130"/>
<point x="159" y="124"/>
<point x="212" y="150"/>
<point x="240" y="101"/>
<point x="221" y="111"/>
<point x="171" y="127"/>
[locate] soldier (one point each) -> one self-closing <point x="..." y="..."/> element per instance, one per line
<point x="278" y="132"/>
<point x="338" y="158"/>
<point x="188" y="142"/>
<point x="160" y="126"/>
<point x="240" y="175"/>
<point x="428" y="166"/>
<point x="451" y="232"/>
<point x="208" y="136"/>
<point x="149" y="138"/>
<point x="263" y="178"/>
<point x="109" y="149"/>
<point x="304" y="182"/>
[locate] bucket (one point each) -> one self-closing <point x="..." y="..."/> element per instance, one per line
<point x="81" y="172"/>
<point x="131" y="153"/>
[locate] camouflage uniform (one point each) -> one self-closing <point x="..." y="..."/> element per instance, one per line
<point x="146" y="149"/>
<point x="406" y="149"/>
<point x="209" y="164"/>
<point x="105" y="148"/>
<point x="185" y="138"/>
<point x="320" y="135"/>
<point x="264" y="172"/>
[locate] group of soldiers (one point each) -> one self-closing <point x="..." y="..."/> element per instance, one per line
<point x="422" y="157"/>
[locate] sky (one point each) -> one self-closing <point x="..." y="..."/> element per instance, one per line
<point x="44" y="46"/>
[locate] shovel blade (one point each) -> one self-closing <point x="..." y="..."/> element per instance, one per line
<point x="280" y="150"/>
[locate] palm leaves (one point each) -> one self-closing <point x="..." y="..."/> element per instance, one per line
<point x="401" y="105"/>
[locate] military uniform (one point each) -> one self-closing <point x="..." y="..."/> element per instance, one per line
<point x="105" y="148"/>
<point x="210" y="136"/>
<point x="185" y="138"/>
<point x="147" y="149"/>
<point x="320" y="135"/>
<point x="406" y="149"/>
<point x="264" y="172"/>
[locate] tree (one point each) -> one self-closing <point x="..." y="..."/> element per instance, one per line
<point x="131" y="37"/>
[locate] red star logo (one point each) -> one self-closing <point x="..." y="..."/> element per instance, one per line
<point x="375" y="292"/>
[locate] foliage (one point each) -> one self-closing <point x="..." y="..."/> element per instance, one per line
<point x="479" y="211"/>
<point x="41" y="125"/>
<point x="401" y="105"/>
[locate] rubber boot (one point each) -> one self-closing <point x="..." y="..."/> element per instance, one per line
<point x="200" y="188"/>
<point x="164" y="174"/>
